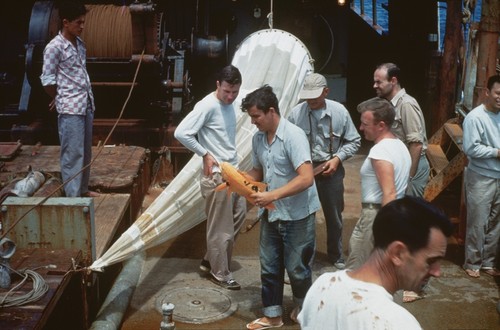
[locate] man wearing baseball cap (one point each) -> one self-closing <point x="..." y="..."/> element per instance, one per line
<point x="333" y="138"/>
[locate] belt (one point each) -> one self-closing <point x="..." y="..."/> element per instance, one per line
<point x="371" y="206"/>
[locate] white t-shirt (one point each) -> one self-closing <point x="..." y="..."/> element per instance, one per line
<point x="395" y="152"/>
<point x="337" y="301"/>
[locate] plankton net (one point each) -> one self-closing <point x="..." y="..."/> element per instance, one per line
<point x="273" y="57"/>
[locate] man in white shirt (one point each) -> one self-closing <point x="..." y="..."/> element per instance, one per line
<point x="209" y="130"/>
<point x="384" y="174"/>
<point x="482" y="182"/>
<point x="410" y="240"/>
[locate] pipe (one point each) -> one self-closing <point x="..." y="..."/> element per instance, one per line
<point x="111" y="314"/>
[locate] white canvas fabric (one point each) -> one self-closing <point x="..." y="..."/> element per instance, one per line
<point x="273" y="57"/>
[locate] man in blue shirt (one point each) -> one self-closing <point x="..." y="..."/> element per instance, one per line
<point x="333" y="139"/>
<point x="282" y="159"/>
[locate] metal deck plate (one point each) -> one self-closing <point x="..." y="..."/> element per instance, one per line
<point x="197" y="305"/>
<point x="9" y="149"/>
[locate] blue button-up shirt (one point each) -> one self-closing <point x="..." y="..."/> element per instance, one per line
<point x="332" y="134"/>
<point x="279" y="162"/>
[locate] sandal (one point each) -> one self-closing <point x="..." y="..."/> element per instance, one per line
<point x="411" y="296"/>
<point x="472" y="272"/>
<point x="263" y="325"/>
<point x="491" y="271"/>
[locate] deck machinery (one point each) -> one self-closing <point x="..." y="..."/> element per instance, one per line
<point x="149" y="101"/>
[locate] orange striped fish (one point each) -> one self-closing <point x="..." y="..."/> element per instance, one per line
<point x="241" y="183"/>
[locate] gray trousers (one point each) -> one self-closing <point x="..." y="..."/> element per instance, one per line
<point x="225" y="216"/>
<point x="417" y="184"/>
<point x="483" y="220"/>
<point x="75" y="137"/>
<point x="361" y="242"/>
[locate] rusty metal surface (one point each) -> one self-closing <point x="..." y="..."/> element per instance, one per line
<point x="41" y="158"/>
<point x="438" y="183"/>
<point x="115" y="168"/>
<point x="112" y="218"/>
<point x="52" y="187"/>
<point x="59" y="223"/>
<point x="36" y="314"/>
<point x="8" y="150"/>
<point x="6" y="191"/>
<point x="123" y="169"/>
<point x="489" y="32"/>
<point x="437" y="158"/>
<point x="456" y="133"/>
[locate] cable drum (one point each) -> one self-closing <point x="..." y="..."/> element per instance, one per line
<point x="117" y="32"/>
<point x="108" y="31"/>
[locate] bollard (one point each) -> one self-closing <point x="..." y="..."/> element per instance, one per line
<point x="168" y="311"/>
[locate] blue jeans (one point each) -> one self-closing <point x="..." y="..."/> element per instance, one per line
<point x="285" y="245"/>
<point x="75" y="136"/>
<point x="331" y="195"/>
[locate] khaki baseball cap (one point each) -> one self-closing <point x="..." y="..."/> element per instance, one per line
<point x="313" y="86"/>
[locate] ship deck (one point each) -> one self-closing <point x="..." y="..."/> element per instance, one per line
<point x="55" y="232"/>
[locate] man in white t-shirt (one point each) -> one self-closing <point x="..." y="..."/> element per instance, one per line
<point x="410" y="240"/>
<point x="384" y="174"/>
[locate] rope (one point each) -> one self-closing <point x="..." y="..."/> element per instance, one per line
<point x="40" y="288"/>
<point x="93" y="159"/>
<point x="108" y="31"/>
<point x="270" y="16"/>
<point x="468" y="9"/>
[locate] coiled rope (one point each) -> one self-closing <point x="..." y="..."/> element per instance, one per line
<point x="108" y="31"/>
<point x="40" y="287"/>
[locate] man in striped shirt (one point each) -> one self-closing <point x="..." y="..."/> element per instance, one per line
<point x="65" y="78"/>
